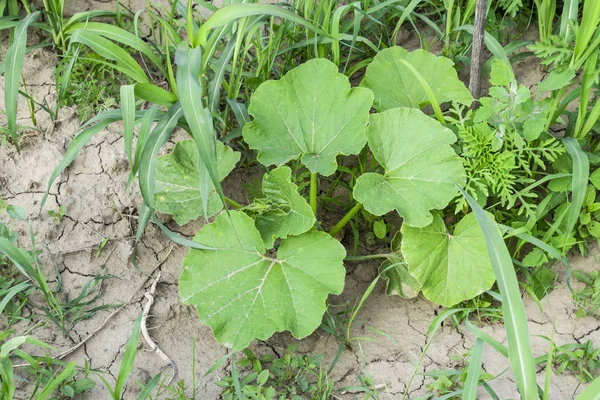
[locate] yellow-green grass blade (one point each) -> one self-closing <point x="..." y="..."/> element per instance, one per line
<point x="232" y="12"/>
<point x="490" y="42"/>
<point x="515" y="320"/>
<point x="470" y="389"/>
<point x="154" y="94"/>
<point x="199" y="120"/>
<point x="159" y="136"/>
<point x="15" y="58"/>
<point x="128" y="108"/>
<point x="120" y="36"/>
<point x="144" y="132"/>
<point x="111" y="51"/>
<point x="587" y="28"/>
<point x="592" y="392"/>
<point x="581" y="172"/>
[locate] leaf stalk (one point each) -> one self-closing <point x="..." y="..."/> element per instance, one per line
<point x="345" y="219"/>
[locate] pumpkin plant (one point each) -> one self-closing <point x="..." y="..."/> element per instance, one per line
<point x="265" y="267"/>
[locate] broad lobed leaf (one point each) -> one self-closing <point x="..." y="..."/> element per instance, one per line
<point x="243" y="293"/>
<point x="420" y="166"/>
<point x="311" y="113"/>
<point x="450" y="267"/>
<point x="395" y="85"/>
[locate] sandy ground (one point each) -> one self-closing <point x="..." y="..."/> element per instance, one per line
<point x="98" y="206"/>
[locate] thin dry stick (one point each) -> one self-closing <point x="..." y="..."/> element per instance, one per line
<point x="149" y="295"/>
<point x="140" y="287"/>
<point x="477" y="51"/>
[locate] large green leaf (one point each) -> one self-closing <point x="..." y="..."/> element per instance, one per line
<point x="395" y="84"/>
<point x="312" y="113"/>
<point x="177" y="191"/>
<point x="243" y="293"/>
<point x="450" y="267"/>
<point x="285" y="211"/>
<point x="420" y="166"/>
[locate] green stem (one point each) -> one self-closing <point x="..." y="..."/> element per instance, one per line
<point x="233" y="203"/>
<point x="368" y="257"/>
<point x="313" y="193"/>
<point x="340" y="225"/>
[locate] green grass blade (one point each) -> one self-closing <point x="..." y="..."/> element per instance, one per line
<point x="487" y="339"/>
<point x="144" y="215"/>
<point x="515" y="320"/>
<point x="128" y="358"/>
<point x="587" y="28"/>
<point x="232" y="12"/>
<point x="154" y="94"/>
<point x="569" y="15"/>
<point x="592" y="392"/>
<point x="12" y="293"/>
<point x="7" y="380"/>
<point x="49" y="387"/>
<point x="221" y="66"/>
<point x="146" y="391"/>
<point x="80" y="140"/>
<point x="143" y="134"/>
<point x="581" y="172"/>
<point x="120" y="36"/>
<point x="15" y="58"/>
<point x="159" y="136"/>
<point x="490" y="42"/>
<point x="472" y="382"/>
<point x="179" y="239"/>
<point x="189" y="64"/>
<point x="111" y="51"/>
<point x="128" y="107"/>
<point x="21" y="260"/>
<point x="87" y="16"/>
<point x="240" y="112"/>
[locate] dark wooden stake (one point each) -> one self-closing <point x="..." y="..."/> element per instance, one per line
<point x="477" y="51"/>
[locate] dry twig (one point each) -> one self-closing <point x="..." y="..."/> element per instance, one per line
<point x="149" y="295"/>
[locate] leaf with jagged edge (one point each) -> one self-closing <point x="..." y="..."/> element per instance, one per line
<point x="311" y="113"/>
<point x="287" y="213"/>
<point x="395" y="85"/>
<point x="451" y="267"/>
<point x="420" y="167"/>
<point x="177" y="189"/>
<point x="244" y="292"/>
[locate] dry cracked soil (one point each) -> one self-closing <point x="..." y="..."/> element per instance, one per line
<point x="93" y="189"/>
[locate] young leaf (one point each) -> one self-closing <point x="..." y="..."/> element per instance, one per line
<point x="288" y="213"/>
<point x="313" y="113"/>
<point x="395" y="85"/>
<point x="420" y="166"/>
<point x="244" y="294"/>
<point x="176" y="191"/>
<point x="450" y="267"/>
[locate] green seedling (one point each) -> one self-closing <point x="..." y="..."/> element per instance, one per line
<point x="268" y="377"/>
<point x="58" y="215"/>
<point x="587" y="299"/>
